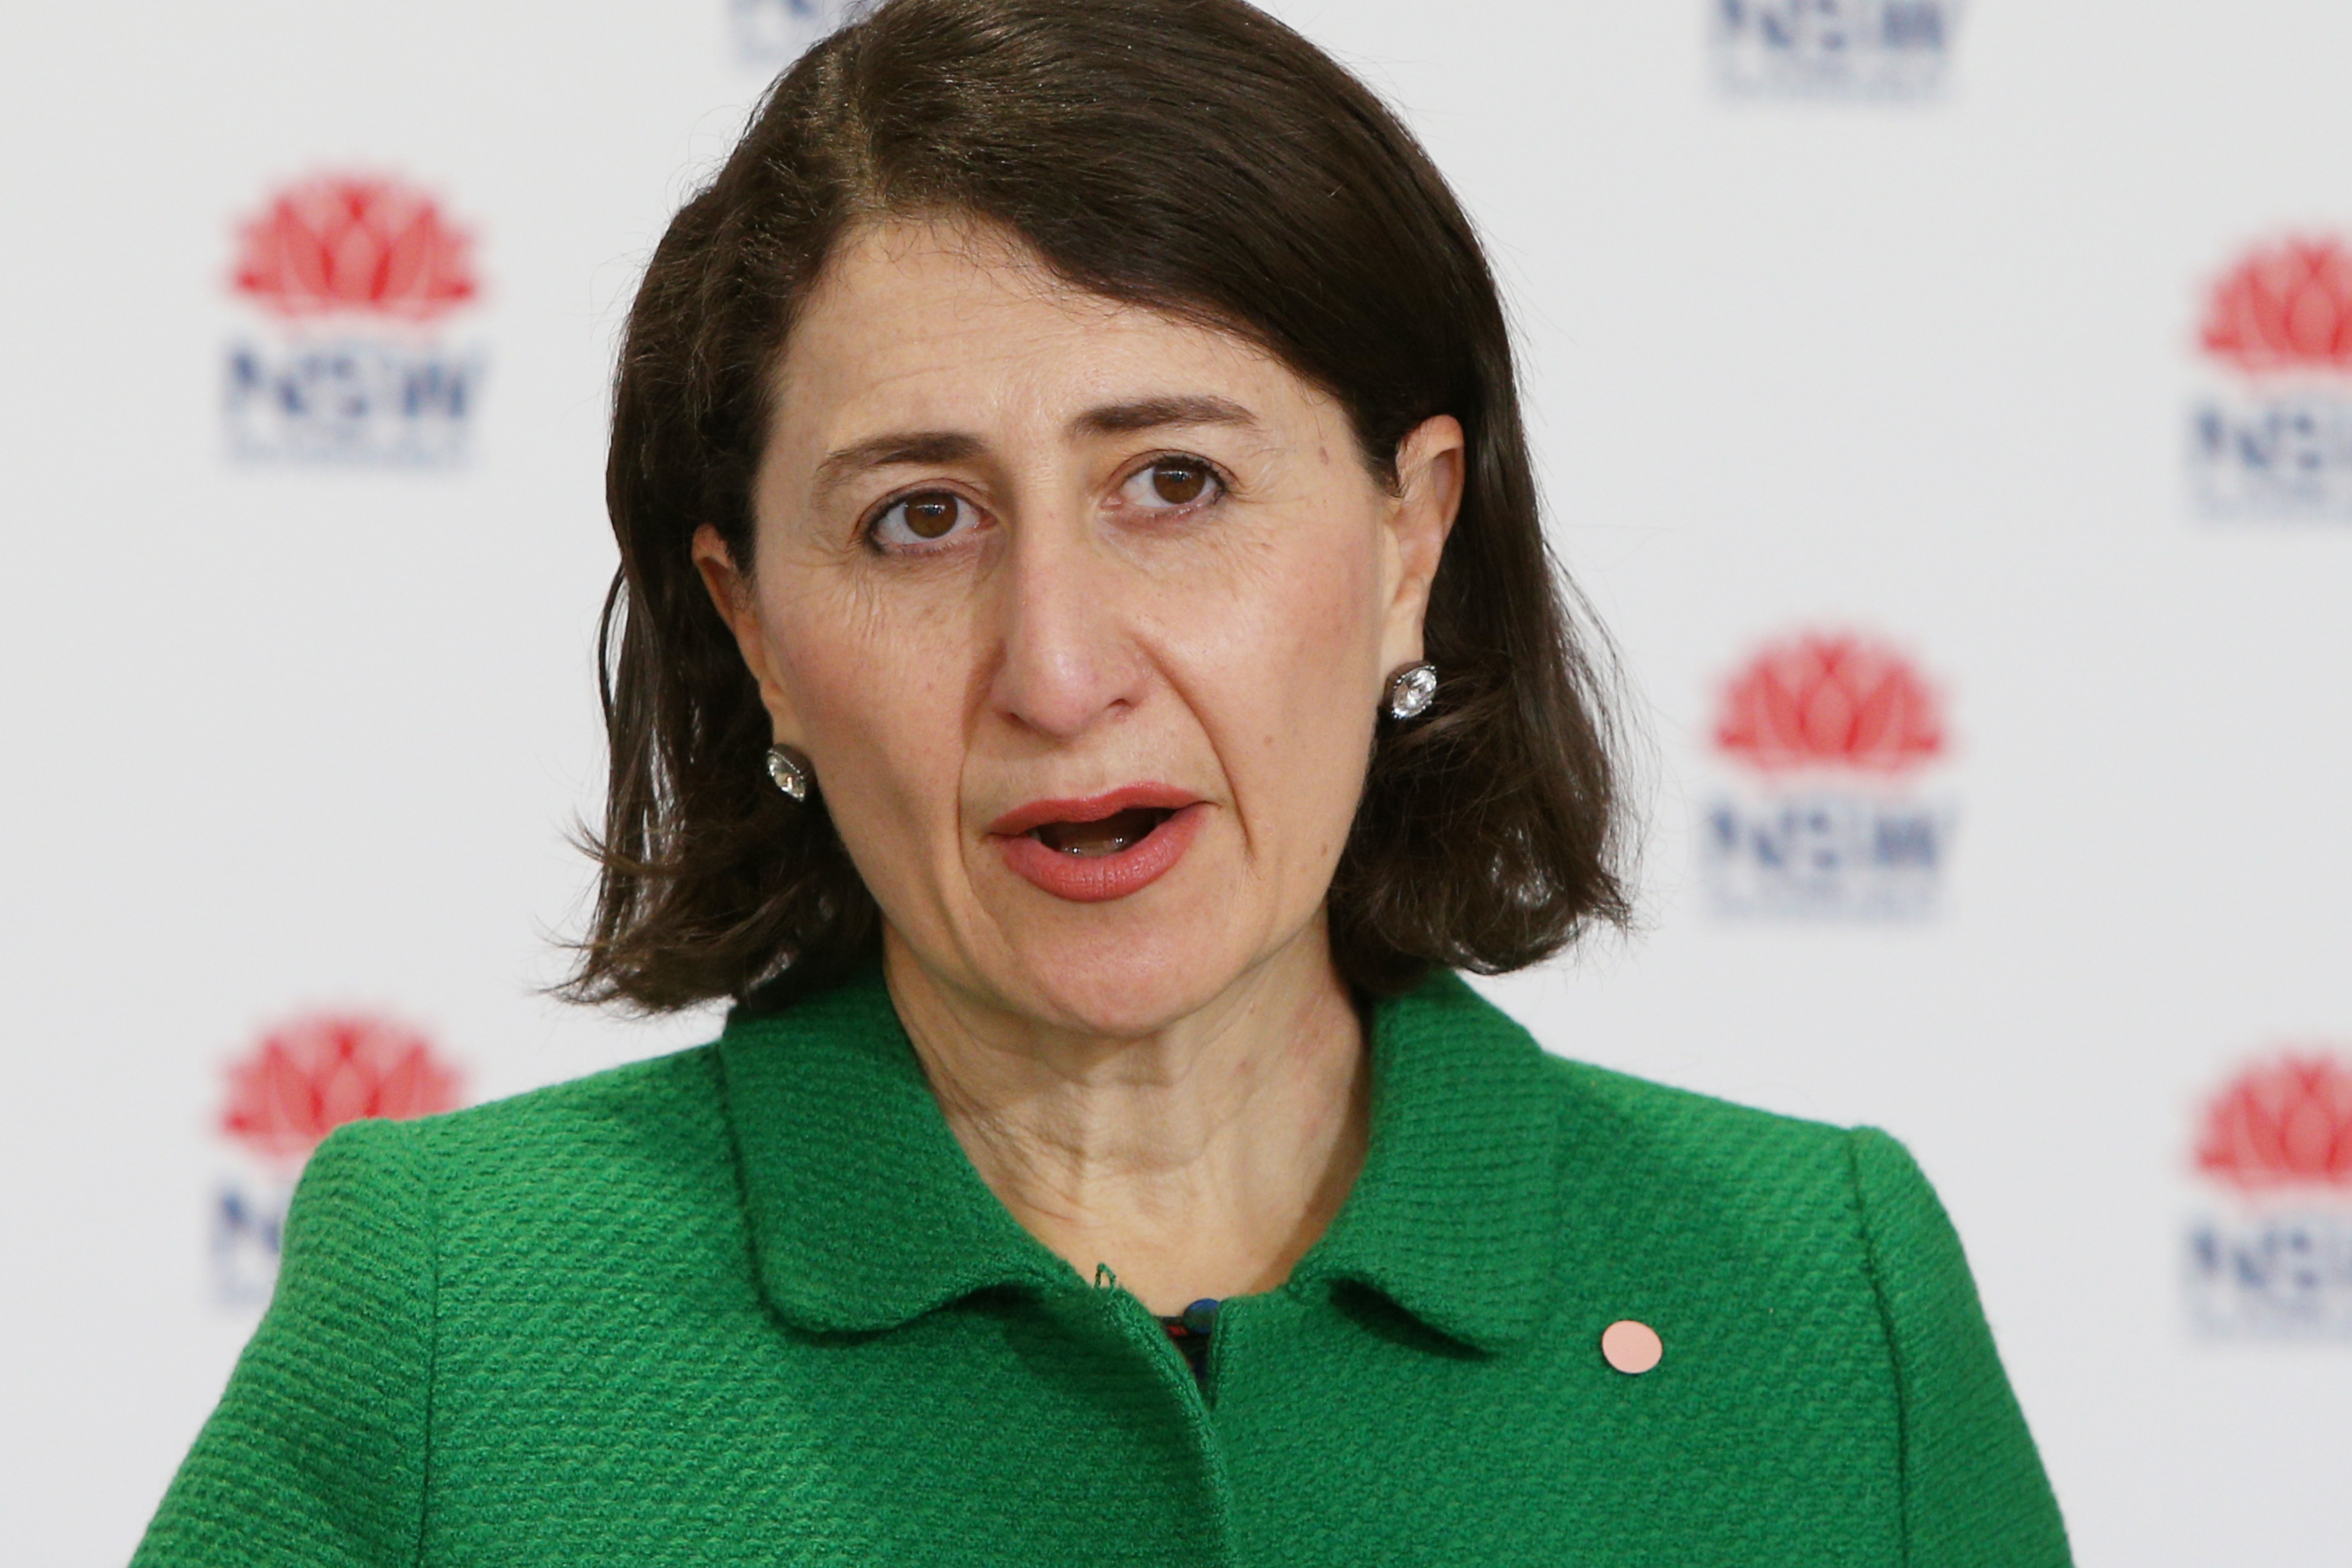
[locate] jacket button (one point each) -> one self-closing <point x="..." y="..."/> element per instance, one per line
<point x="1631" y="1347"/>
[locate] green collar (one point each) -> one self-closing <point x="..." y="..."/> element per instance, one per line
<point x="864" y="1212"/>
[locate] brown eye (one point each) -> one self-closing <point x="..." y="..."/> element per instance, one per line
<point x="1178" y="483"/>
<point x="929" y="517"/>
<point x="1172" y="484"/>
<point x="925" y="517"/>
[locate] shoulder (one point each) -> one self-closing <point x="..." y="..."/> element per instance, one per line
<point x="649" y="1106"/>
<point x="1691" y="1185"/>
<point x="1720" y="1186"/>
<point x="1674" y="1148"/>
<point x="1651" y="1131"/>
<point x="1647" y="1126"/>
<point x="560" y="1168"/>
<point x="1808" y="1285"/>
<point x="1639" y="1164"/>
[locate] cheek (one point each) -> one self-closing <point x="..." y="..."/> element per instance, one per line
<point x="1295" y="685"/>
<point x="878" y="691"/>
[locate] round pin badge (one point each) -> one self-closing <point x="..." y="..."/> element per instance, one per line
<point x="1632" y="1348"/>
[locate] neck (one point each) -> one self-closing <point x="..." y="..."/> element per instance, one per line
<point x="1200" y="1159"/>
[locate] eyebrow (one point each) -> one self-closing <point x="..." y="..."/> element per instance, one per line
<point x="911" y="446"/>
<point x="900" y="447"/>
<point x="1153" y="413"/>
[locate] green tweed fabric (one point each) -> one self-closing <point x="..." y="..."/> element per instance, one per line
<point x="750" y="1304"/>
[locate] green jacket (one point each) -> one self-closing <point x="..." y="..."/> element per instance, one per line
<point x="750" y="1304"/>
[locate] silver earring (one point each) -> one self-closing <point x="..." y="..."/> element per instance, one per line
<point x="790" y="772"/>
<point x="1411" y="691"/>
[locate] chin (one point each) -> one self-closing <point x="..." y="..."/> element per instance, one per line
<point x="1116" y="975"/>
<point x="1119" y="986"/>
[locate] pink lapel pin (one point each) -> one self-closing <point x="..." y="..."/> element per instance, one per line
<point x="1631" y="1347"/>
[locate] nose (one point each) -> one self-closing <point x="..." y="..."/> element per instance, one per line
<point x="1067" y="659"/>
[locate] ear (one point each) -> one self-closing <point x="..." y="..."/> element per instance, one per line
<point x="1430" y="465"/>
<point x="736" y="595"/>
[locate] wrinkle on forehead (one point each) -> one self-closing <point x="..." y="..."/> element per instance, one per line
<point x="1011" y="265"/>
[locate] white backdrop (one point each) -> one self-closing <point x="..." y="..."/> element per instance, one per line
<point x="1866" y="316"/>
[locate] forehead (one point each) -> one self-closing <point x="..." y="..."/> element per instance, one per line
<point x="946" y="322"/>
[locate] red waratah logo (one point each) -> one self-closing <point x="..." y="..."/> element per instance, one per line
<point x="1829" y="701"/>
<point x="2285" y="1123"/>
<point x="310" y="1077"/>
<point x="2286" y="307"/>
<point x="355" y="244"/>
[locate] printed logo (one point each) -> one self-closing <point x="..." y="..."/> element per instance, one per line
<point x="772" y="34"/>
<point x="2272" y="1257"/>
<point x="1833" y="48"/>
<point x="1827" y="734"/>
<point x="302" y="1081"/>
<point x="353" y="278"/>
<point x="2273" y="436"/>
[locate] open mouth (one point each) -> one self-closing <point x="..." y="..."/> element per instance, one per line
<point x="1103" y="846"/>
<point x="1121" y="830"/>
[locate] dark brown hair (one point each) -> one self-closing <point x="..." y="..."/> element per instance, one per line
<point x="1194" y="156"/>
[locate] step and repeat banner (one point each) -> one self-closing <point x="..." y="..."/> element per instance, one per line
<point x="1946" y="404"/>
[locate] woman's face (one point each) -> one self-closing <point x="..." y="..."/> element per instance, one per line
<point x="1083" y="616"/>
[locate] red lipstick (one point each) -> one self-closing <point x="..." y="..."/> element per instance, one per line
<point x="1102" y="847"/>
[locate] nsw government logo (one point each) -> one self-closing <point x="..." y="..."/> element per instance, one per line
<point x="2270" y="1255"/>
<point x="2272" y="438"/>
<point x="352" y="278"/>
<point x="300" y="1081"/>
<point x="1826" y="734"/>
<point x="1833" y="48"/>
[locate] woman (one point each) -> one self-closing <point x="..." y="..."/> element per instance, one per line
<point x="1050" y="464"/>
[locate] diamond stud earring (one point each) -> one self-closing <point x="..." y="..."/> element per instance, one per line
<point x="1411" y="691"/>
<point x="790" y="772"/>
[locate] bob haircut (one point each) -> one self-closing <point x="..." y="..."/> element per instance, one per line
<point x="1200" y="159"/>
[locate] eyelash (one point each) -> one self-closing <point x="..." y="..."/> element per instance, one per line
<point x="1219" y="486"/>
<point x="871" y="531"/>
